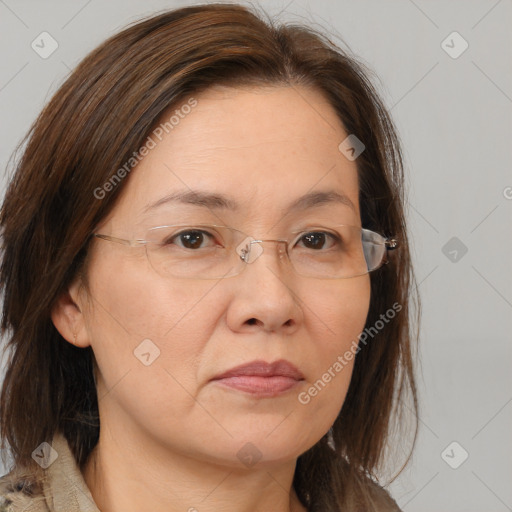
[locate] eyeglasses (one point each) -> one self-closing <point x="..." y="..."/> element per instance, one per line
<point x="214" y="252"/>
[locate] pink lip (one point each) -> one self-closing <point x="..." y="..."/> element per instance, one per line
<point x="261" y="378"/>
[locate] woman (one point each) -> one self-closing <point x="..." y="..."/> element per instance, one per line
<point x="202" y="300"/>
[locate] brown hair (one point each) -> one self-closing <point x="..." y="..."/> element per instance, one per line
<point x="104" y="112"/>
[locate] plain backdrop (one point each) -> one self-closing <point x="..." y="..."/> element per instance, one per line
<point x="444" y="70"/>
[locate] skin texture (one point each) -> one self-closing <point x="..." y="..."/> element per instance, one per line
<point x="170" y="436"/>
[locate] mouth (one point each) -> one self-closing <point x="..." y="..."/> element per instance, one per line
<point x="262" y="379"/>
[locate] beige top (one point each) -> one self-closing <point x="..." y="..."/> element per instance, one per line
<point x="65" y="490"/>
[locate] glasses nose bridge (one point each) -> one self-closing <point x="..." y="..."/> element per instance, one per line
<point x="248" y="254"/>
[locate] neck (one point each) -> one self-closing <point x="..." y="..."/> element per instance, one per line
<point x="126" y="473"/>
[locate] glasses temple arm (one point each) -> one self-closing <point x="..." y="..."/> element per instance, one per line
<point x="122" y="241"/>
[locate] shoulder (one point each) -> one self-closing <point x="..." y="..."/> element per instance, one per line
<point x="17" y="495"/>
<point x="6" y="490"/>
<point x="59" y="487"/>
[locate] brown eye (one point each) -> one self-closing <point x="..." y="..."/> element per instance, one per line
<point x="318" y="240"/>
<point x="192" y="239"/>
<point x="314" y="240"/>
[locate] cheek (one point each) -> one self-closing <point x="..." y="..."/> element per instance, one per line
<point x="137" y="318"/>
<point x="342" y="308"/>
<point x="337" y="317"/>
<point x="135" y="311"/>
<point x="128" y="292"/>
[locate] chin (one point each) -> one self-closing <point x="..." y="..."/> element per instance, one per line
<point x="263" y="445"/>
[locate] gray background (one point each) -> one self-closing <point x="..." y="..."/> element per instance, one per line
<point x="454" y="118"/>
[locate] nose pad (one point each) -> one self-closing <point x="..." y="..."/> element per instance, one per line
<point x="251" y="249"/>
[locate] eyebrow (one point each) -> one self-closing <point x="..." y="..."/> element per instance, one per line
<point x="220" y="201"/>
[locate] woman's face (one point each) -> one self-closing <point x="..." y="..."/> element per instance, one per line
<point x="160" y="341"/>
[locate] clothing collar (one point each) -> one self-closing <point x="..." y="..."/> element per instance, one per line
<point x="65" y="487"/>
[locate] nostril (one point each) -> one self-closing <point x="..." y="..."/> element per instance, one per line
<point x="255" y="321"/>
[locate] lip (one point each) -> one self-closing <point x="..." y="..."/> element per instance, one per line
<point x="262" y="379"/>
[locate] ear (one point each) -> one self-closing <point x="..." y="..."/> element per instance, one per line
<point x="67" y="315"/>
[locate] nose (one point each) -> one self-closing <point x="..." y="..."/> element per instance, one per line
<point x="263" y="293"/>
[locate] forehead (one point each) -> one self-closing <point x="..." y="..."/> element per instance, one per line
<point x="262" y="147"/>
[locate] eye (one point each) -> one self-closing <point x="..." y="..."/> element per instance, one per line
<point x="191" y="239"/>
<point x="318" y="240"/>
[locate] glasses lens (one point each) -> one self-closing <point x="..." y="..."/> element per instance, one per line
<point x="374" y="246"/>
<point x="199" y="251"/>
<point x="329" y="253"/>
